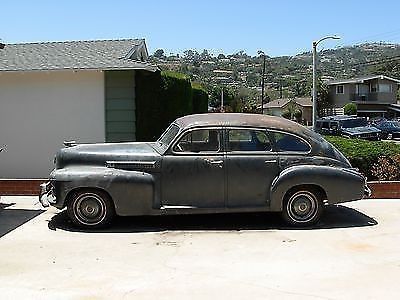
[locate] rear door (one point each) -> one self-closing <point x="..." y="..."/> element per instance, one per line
<point x="251" y="166"/>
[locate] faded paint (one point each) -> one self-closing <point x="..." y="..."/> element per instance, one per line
<point x="152" y="178"/>
<point x="39" y="110"/>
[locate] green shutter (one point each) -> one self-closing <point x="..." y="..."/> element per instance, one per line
<point x="120" y="106"/>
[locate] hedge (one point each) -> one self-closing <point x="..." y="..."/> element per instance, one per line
<point x="364" y="154"/>
<point x="200" y="99"/>
<point x="161" y="97"/>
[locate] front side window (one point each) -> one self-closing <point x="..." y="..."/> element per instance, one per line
<point x="248" y="140"/>
<point x="196" y="141"/>
<point x="289" y="143"/>
<point x="339" y="89"/>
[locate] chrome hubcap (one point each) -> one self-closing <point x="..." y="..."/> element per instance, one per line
<point x="90" y="209"/>
<point x="302" y="206"/>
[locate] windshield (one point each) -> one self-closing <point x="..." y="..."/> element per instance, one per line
<point x="168" y="136"/>
<point x="354" y="123"/>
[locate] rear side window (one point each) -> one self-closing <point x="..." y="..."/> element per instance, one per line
<point x="289" y="143"/>
<point x="248" y="140"/>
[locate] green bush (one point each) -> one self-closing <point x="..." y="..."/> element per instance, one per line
<point x="161" y="97"/>
<point x="175" y="96"/>
<point x="364" y="154"/>
<point x="200" y="99"/>
<point x="350" y="109"/>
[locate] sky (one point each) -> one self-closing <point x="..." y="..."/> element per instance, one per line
<point x="284" y="27"/>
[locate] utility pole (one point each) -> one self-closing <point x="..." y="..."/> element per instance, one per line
<point x="222" y="100"/>
<point x="314" y="90"/>
<point x="262" y="81"/>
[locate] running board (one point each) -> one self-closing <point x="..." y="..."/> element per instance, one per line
<point x="177" y="207"/>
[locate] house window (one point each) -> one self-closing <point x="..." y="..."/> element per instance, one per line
<point x="374" y="87"/>
<point x="339" y="89"/>
<point x="385" y="88"/>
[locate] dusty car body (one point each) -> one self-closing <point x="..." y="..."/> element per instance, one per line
<point x="207" y="163"/>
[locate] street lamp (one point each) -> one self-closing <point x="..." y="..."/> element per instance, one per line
<point x="262" y="81"/>
<point x="314" y="98"/>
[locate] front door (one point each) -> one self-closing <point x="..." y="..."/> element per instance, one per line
<point x="251" y="167"/>
<point x="193" y="171"/>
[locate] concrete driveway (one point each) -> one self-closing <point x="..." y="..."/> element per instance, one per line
<point x="354" y="253"/>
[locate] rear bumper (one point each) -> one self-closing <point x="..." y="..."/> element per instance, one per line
<point x="367" y="191"/>
<point x="47" y="194"/>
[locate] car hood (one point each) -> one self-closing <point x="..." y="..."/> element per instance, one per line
<point x="360" y="130"/>
<point x="99" y="154"/>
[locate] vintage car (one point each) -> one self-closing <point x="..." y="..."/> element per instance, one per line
<point x="206" y="163"/>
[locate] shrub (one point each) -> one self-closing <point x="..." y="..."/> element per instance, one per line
<point x="364" y="154"/>
<point x="200" y="98"/>
<point x="161" y="97"/>
<point x="387" y="168"/>
<point x="350" y="109"/>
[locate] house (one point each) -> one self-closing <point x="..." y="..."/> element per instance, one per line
<point x="57" y="91"/>
<point x="279" y="106"/>
<point x="374" y="95"/>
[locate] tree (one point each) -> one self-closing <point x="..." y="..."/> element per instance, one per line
<point x="159" y="53"/>
<point x="323" y="101"/>
<point x="292" y="112"/>
<point x="350" y="109"/>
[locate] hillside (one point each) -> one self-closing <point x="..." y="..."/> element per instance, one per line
<point x="289" y="75"/>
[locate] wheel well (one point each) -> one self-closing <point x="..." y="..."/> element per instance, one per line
<point x="313" y="187"/>
<point x="79" y="189"/>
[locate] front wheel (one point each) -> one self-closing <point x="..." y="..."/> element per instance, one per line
<point x="302" y="207"/>
<point x="90" y="208"/>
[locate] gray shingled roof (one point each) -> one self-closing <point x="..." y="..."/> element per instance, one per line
<point x="361" y="79"/>
<point x="75" y="55"/>
<point x="279" y="103"/>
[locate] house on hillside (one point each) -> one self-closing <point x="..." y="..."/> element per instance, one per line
<point x="57" y="91"/>
<point x="374" y="95"/>
<point x="279" y="106"/>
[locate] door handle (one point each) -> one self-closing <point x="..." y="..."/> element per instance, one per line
<point x="214" y="162"/>
<point x="270" y="161"/>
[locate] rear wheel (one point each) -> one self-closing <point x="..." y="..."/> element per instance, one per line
<point x="302" y="207"/>
<point x="90" y="208"/>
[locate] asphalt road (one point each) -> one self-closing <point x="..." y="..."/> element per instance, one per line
<point x="353" y="253"/>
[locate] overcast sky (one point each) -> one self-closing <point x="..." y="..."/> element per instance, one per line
<point x="276" y="27"/>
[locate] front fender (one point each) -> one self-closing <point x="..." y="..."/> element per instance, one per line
<point x="339" y="184"/>
<point x="131" y="191"/>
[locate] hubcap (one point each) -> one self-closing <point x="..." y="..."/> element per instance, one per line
<point x="89" y="209"/>
<point x="302" y="206"/>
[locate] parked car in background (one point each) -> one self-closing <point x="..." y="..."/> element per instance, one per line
<point x="389" y="129"/>
<point x="207" y="163"/>
<point x="348" y="126"/>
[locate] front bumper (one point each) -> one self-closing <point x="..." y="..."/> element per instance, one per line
<point x="47" y="194"/>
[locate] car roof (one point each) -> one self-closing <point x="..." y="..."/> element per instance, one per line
<point x="238" y="119"/>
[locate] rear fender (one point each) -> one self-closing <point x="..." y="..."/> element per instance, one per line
<point x="339" y="184"/>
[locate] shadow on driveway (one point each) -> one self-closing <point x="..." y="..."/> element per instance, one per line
<point x="11" y="219"/>
<point x="333" y="217"/>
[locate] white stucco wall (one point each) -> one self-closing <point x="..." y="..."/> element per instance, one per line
<point x="39" y="110"/>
